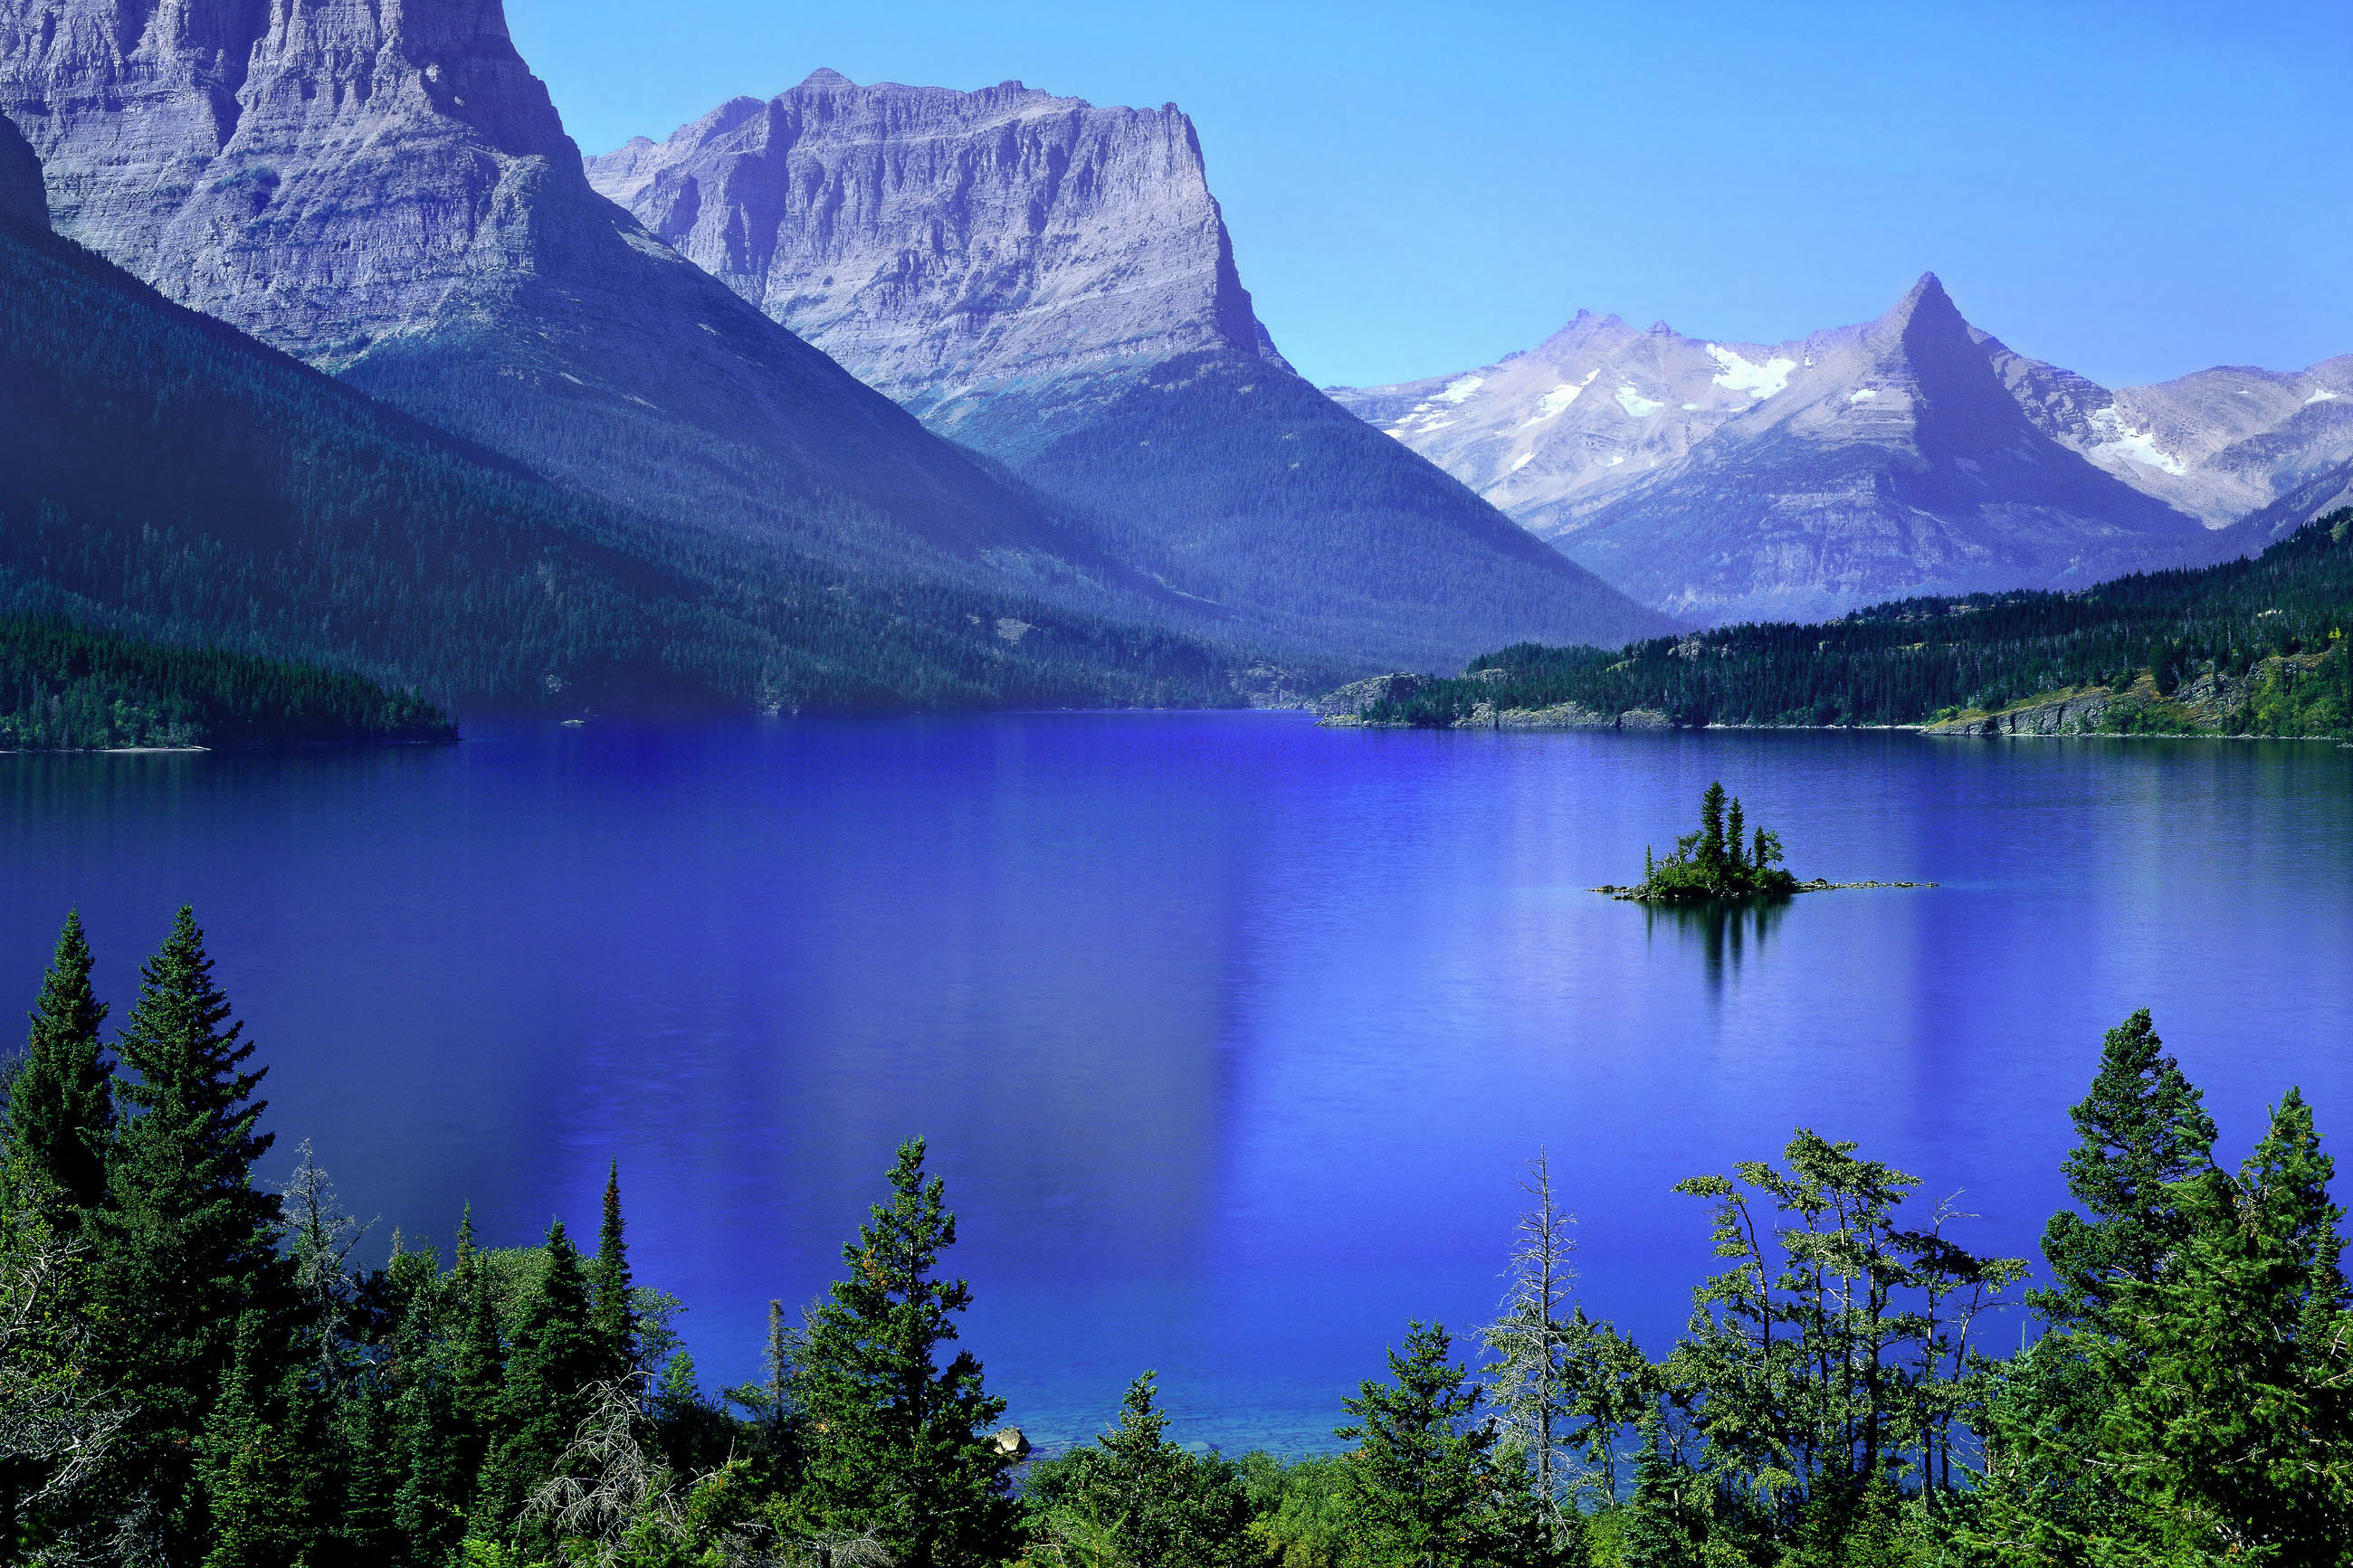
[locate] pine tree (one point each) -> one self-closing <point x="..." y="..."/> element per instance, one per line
<point x="2143" y="1130"/>
<point x="616" y="1321"/>
<point x="1425" y="1482"/>
<point x="60" y="1108"/>
<point x="552" y="1371"/>
<point x="2235" y="1366"/>
<point x="1154" y="1501"/>
<point x="251" y="1476"/>
<point x="904" y="1454"/>
<point x="186" y="1243"/>
<point x="1711" y="828"/>
<point x="477" y="1393"/>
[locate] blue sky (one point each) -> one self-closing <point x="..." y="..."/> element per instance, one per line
<point x="2133" y="190"/>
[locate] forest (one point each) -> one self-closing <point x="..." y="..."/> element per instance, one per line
<point x="173" y="480"/>
<point x="196" y="1370"/>
<point x="66" y="689"/>
<point x="2273" y="626"/>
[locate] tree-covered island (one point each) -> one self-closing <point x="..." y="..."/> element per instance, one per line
<point x="1725" y="858"/>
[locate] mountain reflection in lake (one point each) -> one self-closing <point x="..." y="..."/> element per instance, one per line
<point x="1231" y="1035"/>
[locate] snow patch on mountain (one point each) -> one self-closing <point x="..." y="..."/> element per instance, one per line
<point x="2133" y="445"/>
<point x="1636" y="406"/>
<point x="1741" y="374"/>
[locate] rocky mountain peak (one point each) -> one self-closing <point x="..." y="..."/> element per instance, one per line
<point x="943" y="244"/>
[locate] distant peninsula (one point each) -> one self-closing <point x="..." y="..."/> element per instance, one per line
<point x="2253" y="648"/>
<point x="64" y="688"/>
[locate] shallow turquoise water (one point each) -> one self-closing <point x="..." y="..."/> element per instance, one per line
<point x="1230" y="1033"/>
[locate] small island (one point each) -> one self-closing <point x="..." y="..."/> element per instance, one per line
<point x="1723" y="860"/>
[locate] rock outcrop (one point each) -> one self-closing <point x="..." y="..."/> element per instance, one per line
<point x="1742" y="481"/>
<point x="384" y="190"/>
<point x="22" y="195"/>
<point x="1053" y="283"/>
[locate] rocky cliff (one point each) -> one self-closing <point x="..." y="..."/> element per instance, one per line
<point x="1730" y="482"/>
<point x="1053" y="283"/>
<point x="381" y="187"/>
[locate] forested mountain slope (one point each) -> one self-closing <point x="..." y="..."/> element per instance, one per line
<point x="2247" y="646"/>
<point x="62" y="688"/>
<point x="1051" y="282"/>
<point x="166" y="475"/>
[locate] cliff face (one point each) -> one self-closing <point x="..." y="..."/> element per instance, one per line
<point x="381" y="187"/>
<point x="1053" y="283"/>
<point x="952" y="246"/>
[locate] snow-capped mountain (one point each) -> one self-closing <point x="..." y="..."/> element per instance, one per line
<point x="1728" y="480"/>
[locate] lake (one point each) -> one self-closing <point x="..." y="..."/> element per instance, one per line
<point x="1231" y="1034"/>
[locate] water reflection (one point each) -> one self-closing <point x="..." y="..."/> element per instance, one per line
<point x="1723" y="929"/>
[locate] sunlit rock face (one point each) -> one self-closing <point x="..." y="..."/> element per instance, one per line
<point x="383" y="188"/>
<point x="1740" y="482"/>
<point x="953" y="247"/>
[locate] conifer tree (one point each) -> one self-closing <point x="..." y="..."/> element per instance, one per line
<point x="61" y="1112"/>
<point x="1426" y="1484"/>
<point x="616" y="1320"/>
<point x="2143" y="1130"/>
<point x="477" y="1390"/>
<point x="186" y="1243"/>
<point x="1153" y="1501"/>
<point x="904" y="1453"/>
<point x="552" y="1370"/>
<point x="251" y="1476"/>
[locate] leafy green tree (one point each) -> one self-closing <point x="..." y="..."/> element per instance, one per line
<point x="551" y="1377"/>
<point x="904" y="1452"/>
<point x="186" y="1243"/>
<point x="60" y="1106"/>
<point x="1144" y="1496"/>
<point x="1425" y="1484"/>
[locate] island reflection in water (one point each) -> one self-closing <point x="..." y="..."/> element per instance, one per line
<point x="1722" y="928"/>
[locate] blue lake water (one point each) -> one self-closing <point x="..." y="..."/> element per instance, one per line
<point x="1229" y="1034"/>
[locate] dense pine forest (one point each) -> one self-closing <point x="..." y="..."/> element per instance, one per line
<point x="171" y="478"/>
<point x="195" y="1369"/>
<point x="65" y="689"/>
<point x="2253" y="646"/>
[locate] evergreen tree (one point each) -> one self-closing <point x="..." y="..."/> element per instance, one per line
<point x="904" y="1453"/>
<point x="551" y="1374"/>
<point x="1426" y="1485"/>
<point x="1151" y="1499"/>
<point x="2143" y="1131"/>
<point x="2235" y="1366"/>
<point x="616" y="1321"/>
<point x="252" y="1477"/>
<point x="186" y="1243"/>
<point x="60" y="1108"/>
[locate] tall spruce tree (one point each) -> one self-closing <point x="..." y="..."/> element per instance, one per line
<point x="186" y="1243"/>
<point x="61" y="1107"/>
<point x="552" y="1371"/>
<point x="1426" y="1485"/>
<point x="615" y="1319"/>
<point x="904" y="1453"/>
<point x="2142" y="1130"/>
<point x="1151" y="1499"/>
<point x="252" y="1473"/>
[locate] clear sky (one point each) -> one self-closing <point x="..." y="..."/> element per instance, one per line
<point x="2131" y="190"/>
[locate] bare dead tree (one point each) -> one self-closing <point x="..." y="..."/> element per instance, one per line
<point x="1532" y="1339"/>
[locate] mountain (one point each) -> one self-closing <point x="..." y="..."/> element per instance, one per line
<point x="1053" y="283"/>
<point x="22" y="195"/>
<point x="385" y="192"/>
<point x="1734" y="481"/>
<point x="164" y="476"/>
<point x="2219" y="444"/>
